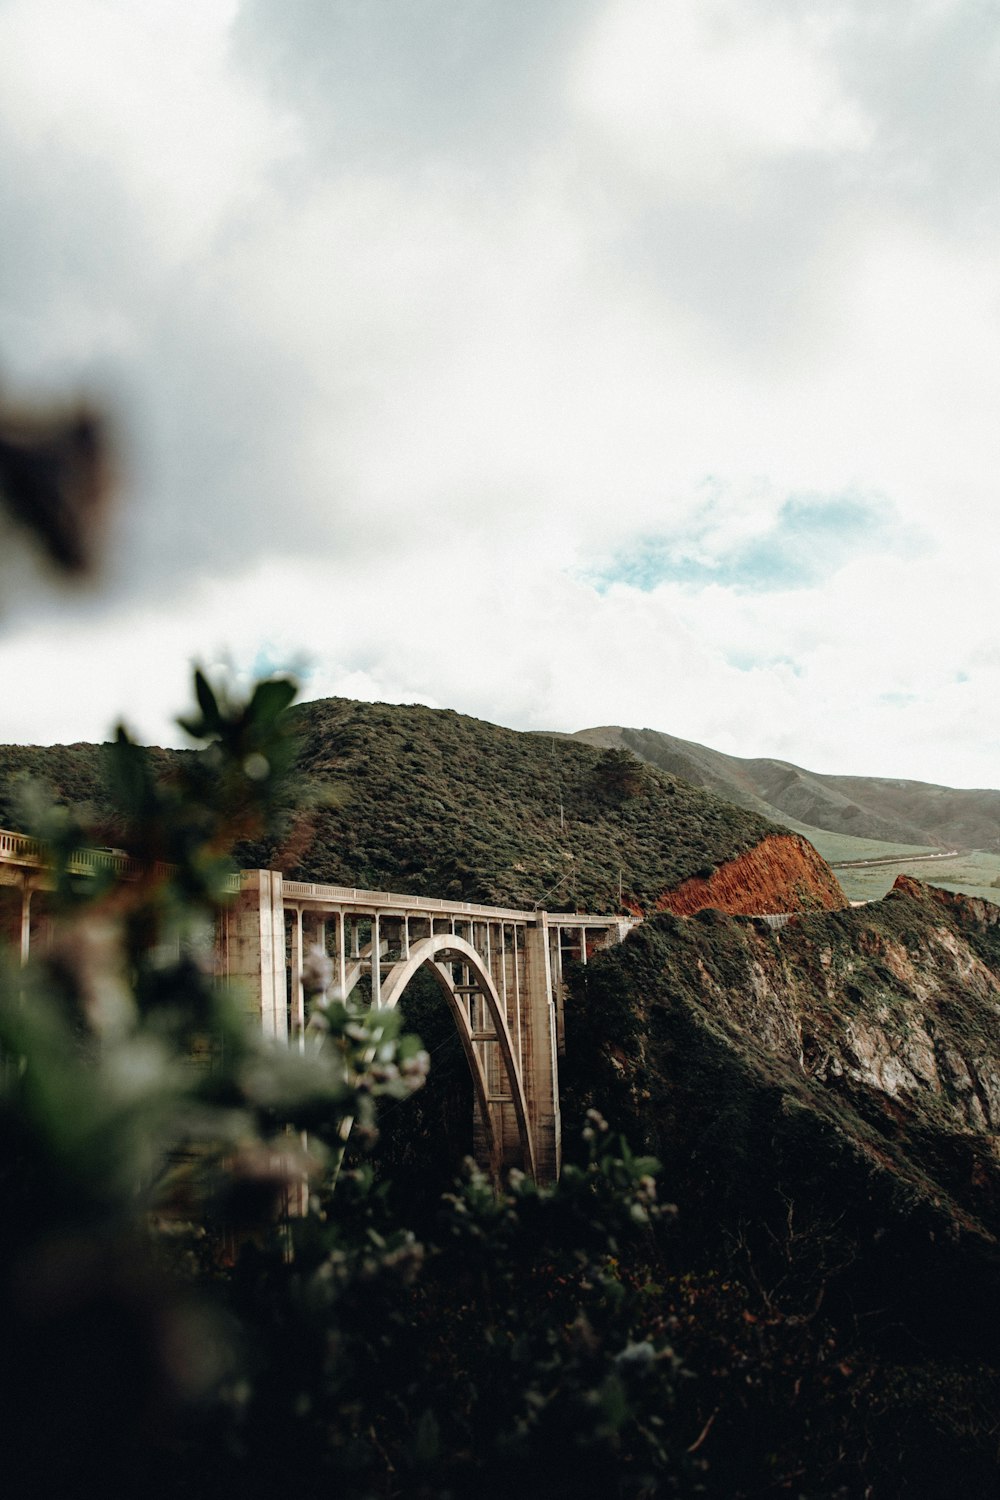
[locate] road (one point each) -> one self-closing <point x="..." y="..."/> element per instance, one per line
<point x="901" y="859"/>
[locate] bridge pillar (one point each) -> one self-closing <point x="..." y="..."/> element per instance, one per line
<point x="253" y="935"/>
<point x="25" y="921"/>
<point x="498" y="947"/>
<point x="541" y="1077"/>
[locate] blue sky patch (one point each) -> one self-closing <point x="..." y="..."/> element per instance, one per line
<point x="750" y="661"/>
<point x="272" y="661"/>
<point x="811" y="538"/>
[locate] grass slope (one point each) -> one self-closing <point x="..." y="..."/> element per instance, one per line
<point x="881" y="820"/>
<point x="870" y="807"/>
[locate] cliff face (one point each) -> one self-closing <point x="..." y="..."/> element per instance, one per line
<point x="825" y="1102"/>
<point x="783" y="873"/>
<point x="863" y="1043"/>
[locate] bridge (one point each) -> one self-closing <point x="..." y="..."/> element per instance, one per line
<point x="499" y="970"/>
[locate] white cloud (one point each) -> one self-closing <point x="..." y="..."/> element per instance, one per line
<point x="400" y="363"/>
<point x="696" y="92"/>
<point x="148" y="86"/>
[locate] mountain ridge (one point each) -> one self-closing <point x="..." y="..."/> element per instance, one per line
<point x="888" y="809"/>
<point x="397" y="797"/>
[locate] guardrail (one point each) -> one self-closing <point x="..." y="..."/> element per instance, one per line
<point x="18" y="848"/>
<point x="22" y="849"/>
<point x="302" y="890"/>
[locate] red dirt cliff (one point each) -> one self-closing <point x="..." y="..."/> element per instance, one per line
<point x="782" y="873"/>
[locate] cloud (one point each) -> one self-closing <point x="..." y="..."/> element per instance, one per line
<point x="423" y="320"/>
<point x="463" y="80"/>
<point x="694" y="93"/>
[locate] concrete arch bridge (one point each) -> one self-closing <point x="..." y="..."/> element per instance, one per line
<point x="500" y="972"/>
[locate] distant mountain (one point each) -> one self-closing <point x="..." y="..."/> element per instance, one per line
<point x="871" y="807"/>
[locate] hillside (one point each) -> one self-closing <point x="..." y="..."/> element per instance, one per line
<point x="871" y="807"/>
<point x="825" y="1100"/>
<point x="420" y="799"/>
<point x="880" y="1022"/>
<point x="429" y="799"/>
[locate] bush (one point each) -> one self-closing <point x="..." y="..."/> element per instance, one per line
<point x="160" y="1308"/>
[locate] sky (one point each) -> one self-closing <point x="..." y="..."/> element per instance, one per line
<point x="578" y="363"/>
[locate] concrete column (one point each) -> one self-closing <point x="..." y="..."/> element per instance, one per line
<point x="255" y="946"/>
<point x="517" y="1023"/>
<point x="298" y="999"/>
<point x="541" y="1077"/>
<point x="559" y="991"/>
<point x="376" y="961"/>
<point x="341" y="955"/>
<point x="25" y="921"/>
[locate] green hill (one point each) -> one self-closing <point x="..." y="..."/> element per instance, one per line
<point x="427" y="800"/>
<point x="869" y="828"/>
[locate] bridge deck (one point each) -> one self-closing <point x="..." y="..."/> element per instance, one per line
<point x="393" y="902"/>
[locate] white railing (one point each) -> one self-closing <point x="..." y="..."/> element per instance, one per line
<point x="19" y="849"/>
<point x="384" y="901"/>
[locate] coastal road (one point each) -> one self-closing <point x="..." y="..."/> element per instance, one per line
<point x="901" y="859"/>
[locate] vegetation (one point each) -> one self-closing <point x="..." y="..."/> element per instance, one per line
<point x="405" y="797"/>
<point x="974" y="873"/>
<point x="883" y="809"/>
<point x="160" y="1309"/>
<point x="810" y="1320"/>
<point x="834" y="1264"/>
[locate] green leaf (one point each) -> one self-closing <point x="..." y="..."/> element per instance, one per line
<point x="207" y="701"/>
<point x="270" y="699"/>
<point x="427" y="1442"/>
<point x="130" y="774"/>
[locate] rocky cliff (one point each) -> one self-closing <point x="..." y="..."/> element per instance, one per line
<point x="783" y="873"/>
<point x="825" y="1100"/>
<point x="875" y="1031"/>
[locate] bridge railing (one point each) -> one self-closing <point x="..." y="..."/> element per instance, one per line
<point x="343" y="895"/>
<point x="31" y="853"/>
<point x="355" y="896"/>
<point x="19" y="849"/>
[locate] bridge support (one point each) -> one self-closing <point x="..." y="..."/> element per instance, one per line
<point x="253" y="949"/>
<point x="500" y="972"/>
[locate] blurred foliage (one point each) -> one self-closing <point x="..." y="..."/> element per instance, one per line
<point x="56" y="482"/>
<point x="142" y="1119"/>
<point x="168" y="1327"/>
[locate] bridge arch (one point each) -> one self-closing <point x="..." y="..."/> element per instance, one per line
<point x="437" y="953"/>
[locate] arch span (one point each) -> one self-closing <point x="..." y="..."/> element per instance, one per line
<point x="437" y="953"/>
